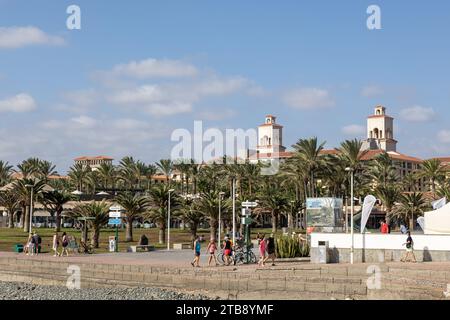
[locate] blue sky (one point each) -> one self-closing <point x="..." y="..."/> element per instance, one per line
<point x="138" y="70"/>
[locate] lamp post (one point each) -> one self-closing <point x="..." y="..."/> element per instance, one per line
<point x="352" y="172"/>
<point x="31" y="206"/>
<point x="234" y="211"/>
<point x="168" y="221"/>
<point x="221" y="194"/>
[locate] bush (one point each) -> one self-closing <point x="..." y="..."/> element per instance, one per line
<point x="288" y="247"/>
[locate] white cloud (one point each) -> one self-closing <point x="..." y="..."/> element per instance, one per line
<point x="168" y="109"/>
<point x="417" y="114"/>
<point x="354" y="130"/>
<point x="153" y="68"/>
<point x="444" y="136"/>
<point x="308" y="98"/>
<point x="17" y="37"/>
<point x="372" y="91"/>
<point x="84" y="121"/>
<point x="19" y="103"/>
<point x="216" y="115"/>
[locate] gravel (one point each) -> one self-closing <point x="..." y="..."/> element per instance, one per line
<point x="24" y="291"/>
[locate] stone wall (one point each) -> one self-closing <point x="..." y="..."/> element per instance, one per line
<point x="299" y="282"/>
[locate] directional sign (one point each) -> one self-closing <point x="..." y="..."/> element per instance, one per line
<point x="249" y="204"/>
<point x="115" y="208"/>
<point x="114" y="221"/>
<point x="114" y="214"/>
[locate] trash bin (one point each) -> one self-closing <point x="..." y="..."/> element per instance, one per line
<point x="323" y="252"/>
<point x="18" y="248"/>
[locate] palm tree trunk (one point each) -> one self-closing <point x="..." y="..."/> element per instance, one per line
<point x="11" y="220"/>
<point x="193" y="229"/>
<point x="58" y="220"/>
<point x="95" y="237"/>
<point x="26" y="219"/>
<point x="290" y="221"/>
<point x="162" y="234"/>
<point x="213" y="228"/>
<point x="129" y="230"/>
<point x="274" y="222"/>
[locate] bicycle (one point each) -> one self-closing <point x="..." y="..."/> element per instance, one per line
<point x="86" y="248"/>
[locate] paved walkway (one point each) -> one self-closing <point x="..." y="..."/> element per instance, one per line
<point x="182" y="259"/>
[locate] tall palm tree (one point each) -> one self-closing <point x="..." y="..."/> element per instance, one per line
<point x="11" y="201"/>
<point x="24" y="188"/>
<point x="107" y="174"/>
<point x="127" y="172"/>
<point x="54" y="201"/>
<point x="309" y="152"/>
<point x="388" y="195"/>
<point x="159" y="200"/>
<point x="208" y="205"/>
<point x="78" y="174"/>
<point x="190" y="215"/>
<point x="134" y="206"/>
<point x="434" y="171"/>
<point x="410" y="205"/>
<point x="165" y="166"/>
<point x="272" y="200"/>
<point x="382" y="170"/>
<point x="5" y="172"/>
<point x="99" y="211"/>
<point x="151" y="171"/>
<point x="45" y="169"/>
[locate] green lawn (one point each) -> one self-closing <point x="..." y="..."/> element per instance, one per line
<point x="10" y="237"/>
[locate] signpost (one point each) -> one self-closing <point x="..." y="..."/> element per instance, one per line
<point x="247" y="221"/>
<point x="115" y="214"/>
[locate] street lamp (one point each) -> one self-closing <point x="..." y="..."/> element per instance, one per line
<point x="31" y="205"/>
<point x="168" y="222"/>
<point x="352" y="172"/>
<point x="221" y="194"/>
<point x="234" y="211"/>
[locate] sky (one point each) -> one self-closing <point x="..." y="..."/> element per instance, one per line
<point x="138" y="70"/>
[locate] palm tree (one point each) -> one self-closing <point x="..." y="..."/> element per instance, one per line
<point x="434" y="171"/>
<point x="107" y="174"/>
<point x="78" y="174"/>
<point x="127" y="172"/>
<point x="5" y="172"/>
<point x="11" y="201"/>
<point x="382" y="170"/>
<point x="99" y="212"/>
<point x="134" y="206"/>
<point x="159" y="199"/>
<point x="208" y="205"/>
<point x="410" y="205"/>
<point x="388" y="195"/>
<point x="190" y="215"/>
<point x="409" y="182"/>
<point x="54" y="201"/>
<point x="272" y="200"/>
<point x="45" y="169"/>
<point x="309" y="152"/>
<point x="151" y="171"/>
<point x="165" y="166"/>
<point x="24" y="188"/>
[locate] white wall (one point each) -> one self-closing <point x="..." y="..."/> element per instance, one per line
<point x="382" y="241"/>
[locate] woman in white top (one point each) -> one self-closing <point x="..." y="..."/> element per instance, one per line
<point x="56" y="244"/>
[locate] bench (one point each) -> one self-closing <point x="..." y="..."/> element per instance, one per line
<point x="143" y="248"/>
<point x="18" y="248"/>
<point x="181" y="246"/>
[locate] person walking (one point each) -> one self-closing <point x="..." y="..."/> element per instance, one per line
<point x="409" y="249"/>
<point x="37" y="243"/>
<point x="271" y="249"/>
<point x="211" y="249"/>
<point x="384" y="227"/>
<point x="27" y="249"/>
<point x="65" y="244"/>
<point x="197" y="249"/>
<point x="262" y="250"/>
<point x="227" y="250"/>
<point x="55" y="244"/>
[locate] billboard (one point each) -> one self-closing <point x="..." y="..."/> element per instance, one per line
<point x="324" y="212"/>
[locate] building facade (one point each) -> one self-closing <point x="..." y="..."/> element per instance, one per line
<point x="94" y="162"/>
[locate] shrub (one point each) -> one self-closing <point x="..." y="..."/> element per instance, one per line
<point x="288" y="247"/>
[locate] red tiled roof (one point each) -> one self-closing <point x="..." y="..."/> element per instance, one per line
<point x="379" y="116"/>
<point x="275" y="155"/>
<point x="84" y="158"/>
<point x="371" y="154"/>
<point x="444" y="159"/>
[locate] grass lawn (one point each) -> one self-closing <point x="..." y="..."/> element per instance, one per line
<point x="10" y="237"/>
